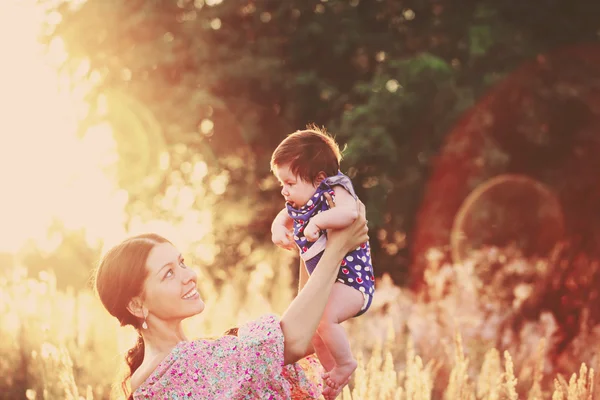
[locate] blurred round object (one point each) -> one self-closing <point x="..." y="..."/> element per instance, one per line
<point x="508" y="210"/>
<point x="140" y="142"/>
<point x="542" y="122"/>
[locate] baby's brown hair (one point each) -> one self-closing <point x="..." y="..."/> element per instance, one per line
<point x="308" y="152"/>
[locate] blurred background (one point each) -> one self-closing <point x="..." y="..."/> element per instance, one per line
<point x="470" y="131"/>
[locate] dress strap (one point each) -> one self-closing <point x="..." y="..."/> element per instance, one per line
<point x="341" y="180"/>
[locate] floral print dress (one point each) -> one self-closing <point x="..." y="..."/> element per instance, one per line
<point x="247" y="366"/>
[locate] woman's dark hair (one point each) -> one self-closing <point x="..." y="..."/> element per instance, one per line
<point x="119" y="278"/>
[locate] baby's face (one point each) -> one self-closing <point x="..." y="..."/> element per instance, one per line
<point x="295" y="191"/>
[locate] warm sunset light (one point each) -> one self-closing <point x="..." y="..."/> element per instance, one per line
<point x="47" y="172"/>
<point x="470" y="134"/>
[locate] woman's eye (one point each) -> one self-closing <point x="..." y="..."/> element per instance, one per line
<point x="169" y="273"/>
<point x="182" y="264"/>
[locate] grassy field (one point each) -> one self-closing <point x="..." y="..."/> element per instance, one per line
<point x="435" y="345"/>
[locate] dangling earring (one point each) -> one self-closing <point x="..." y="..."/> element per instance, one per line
<point x="144" y="324"/>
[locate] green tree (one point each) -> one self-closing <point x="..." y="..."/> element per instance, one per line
<point x="225" y="81"/>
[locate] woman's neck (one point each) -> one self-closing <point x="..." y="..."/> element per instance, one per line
<point x="159" y="341"/>
<point x="162" y="337"/>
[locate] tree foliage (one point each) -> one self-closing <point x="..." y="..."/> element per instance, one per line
<point x="223" y="82"/>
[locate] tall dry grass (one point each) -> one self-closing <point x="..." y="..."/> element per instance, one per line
<point x="438" y="345"/>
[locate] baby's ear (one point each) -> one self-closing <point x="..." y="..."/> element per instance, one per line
<point x="320" y="177"/>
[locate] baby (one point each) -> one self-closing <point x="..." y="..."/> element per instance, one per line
<point x="307" y="165"/>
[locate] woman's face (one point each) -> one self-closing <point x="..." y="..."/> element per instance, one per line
<point x="170" y="288"/>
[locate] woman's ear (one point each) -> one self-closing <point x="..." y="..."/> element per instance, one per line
<point x="136" y="308"/>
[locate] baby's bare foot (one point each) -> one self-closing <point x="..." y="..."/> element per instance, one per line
<point x="340" y="374"/>
<point x="331" y="394"/>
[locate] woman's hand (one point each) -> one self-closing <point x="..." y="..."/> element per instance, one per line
<point x="354" y="235"/>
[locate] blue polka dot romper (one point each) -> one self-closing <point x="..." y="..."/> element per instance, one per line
<point x="356" y="269"/>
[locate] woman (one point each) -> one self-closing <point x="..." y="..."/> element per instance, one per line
<point x="144" y="282"/>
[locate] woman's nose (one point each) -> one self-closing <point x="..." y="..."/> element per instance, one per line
<point x="189" y="275"/>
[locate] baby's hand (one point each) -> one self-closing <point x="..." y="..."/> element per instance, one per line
<point x="282" y="237"/>
<point x="312" y="231"/>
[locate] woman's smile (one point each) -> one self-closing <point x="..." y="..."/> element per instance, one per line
<point x="192" y="294"/>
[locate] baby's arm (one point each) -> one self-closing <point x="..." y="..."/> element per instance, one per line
<point x="282" y="218"/>
<point x="342" y="215"/>
<point x="281" y="233"/>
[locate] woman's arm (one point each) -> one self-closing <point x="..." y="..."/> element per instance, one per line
<point x="299" y="322"/>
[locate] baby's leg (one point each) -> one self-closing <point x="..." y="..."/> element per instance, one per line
<point x="344" y="303"/>
<point x="323" y="353"/>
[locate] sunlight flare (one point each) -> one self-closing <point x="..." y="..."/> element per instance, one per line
<point x="49" y="173"/>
